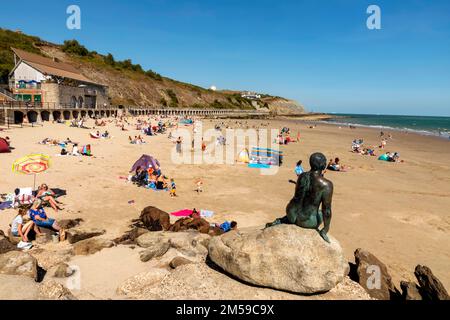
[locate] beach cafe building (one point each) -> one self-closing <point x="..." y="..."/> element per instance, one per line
<point x="44" y="89"/>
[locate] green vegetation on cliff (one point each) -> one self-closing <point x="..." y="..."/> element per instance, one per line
<point x="17" y="40"/>
<point x="128" y="83"/>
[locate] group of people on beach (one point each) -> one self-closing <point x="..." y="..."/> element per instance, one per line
<point x="21" y="225"/>
<point x="359" y="148"/>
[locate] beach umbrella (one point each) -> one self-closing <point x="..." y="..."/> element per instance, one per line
<point x="32" y="164"/>
<point x="144" y="162"/>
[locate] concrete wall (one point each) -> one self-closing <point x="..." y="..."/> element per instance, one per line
<point x="62" y="95"/>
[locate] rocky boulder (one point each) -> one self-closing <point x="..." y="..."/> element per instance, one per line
<point x="373" y="276"/>
<point x="137" y="283"/>
<point x="156" y="250"/>
<point x="283" y="257"/>
<point x="410" y="291"/>
<point x="130" y="236"/>
<point x="52" y="290"/>
<point x="77" y="234"/>
<point x="91" y="246"/>
<point x="69" y="223"/>
<point x="430" y="286"/>
<point x="18" y="263"/>
<point x="5" y="244"/>
<point x="155" y="219"/>
<point x="191" y="244"/>
<point x="179" y="261"/>
<point x="63" y="270"/>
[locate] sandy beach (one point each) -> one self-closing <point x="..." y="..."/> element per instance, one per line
<point x="397" y="211"/>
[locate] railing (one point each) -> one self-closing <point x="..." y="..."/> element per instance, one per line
<point x="49" y="105"/>
<point x="7" y="93"/>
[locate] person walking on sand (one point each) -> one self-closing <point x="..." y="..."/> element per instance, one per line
<point x="178" y="142"/>
<point x="173" y="188"/>
<point x="203" y="145"/>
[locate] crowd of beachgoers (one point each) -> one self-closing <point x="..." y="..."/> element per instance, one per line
<point x="147" y="172"/>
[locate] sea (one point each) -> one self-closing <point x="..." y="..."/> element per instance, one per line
<point x="436" y="126"/>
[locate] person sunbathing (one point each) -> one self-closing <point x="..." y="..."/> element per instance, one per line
<point x="75" y="150"/>
<point x="41" y="220"/>
<point x="219" y="229"/>
<point x="19" y="229"/>
<point x="335" y="165"/>
<point x="45" y="194"/>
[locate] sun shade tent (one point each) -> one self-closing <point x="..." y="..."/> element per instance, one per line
<point x="243" y="156"/>
<point x="263" y="157"/>
<point x="144" y="162"/>
<point x="4" y="146"/>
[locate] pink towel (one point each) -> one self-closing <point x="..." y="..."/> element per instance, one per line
<point x="182" y="213"/>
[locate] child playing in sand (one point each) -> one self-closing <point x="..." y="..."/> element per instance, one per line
<point x="173" y="188"/>
<point x="199" y="184"/>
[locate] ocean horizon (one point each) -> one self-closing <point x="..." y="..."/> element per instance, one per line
<point x="426" y="125"/>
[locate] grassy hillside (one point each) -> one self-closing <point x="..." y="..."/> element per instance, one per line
<point x="128" y="83"/>
<point x="10" y="39"/>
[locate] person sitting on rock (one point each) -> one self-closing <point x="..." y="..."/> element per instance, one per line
<point x="312" y="190"/>
<point x="41" y="220"/>
<point x="18" y="228"/>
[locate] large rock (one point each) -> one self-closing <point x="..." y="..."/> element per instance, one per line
<point x="150" y="239"/>
<point x="155" y="219"/>
<point x="137" y="283"/>
<point x="5" y="244"/>
<point x="91" y="246"/>
<point x="201" y="282"/>
<point x="69" y="223"/>
<point x="378" y="286"/>
<point x="430" y="286"/>
<point x="179" y="261"/>
<point x="63" y="270"/>
<point x="52" y="290"/>
<point x="130" y="236"/>
<point x="155" y="251"/>
<point x="284" y="257"/>
<point x="77" y="234"/>
<point x="410" y="291"/>
<point x="18" y="263"/>
<point x="189" y="244"/>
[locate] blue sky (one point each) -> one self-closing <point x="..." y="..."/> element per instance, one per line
<point x="318" y="52"/>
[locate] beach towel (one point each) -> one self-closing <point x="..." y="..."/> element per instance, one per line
<point x="206" y="213"/>
<point x="6" y="205"/>
<point x="259" y="166"/>
<point x="182" y="213"/>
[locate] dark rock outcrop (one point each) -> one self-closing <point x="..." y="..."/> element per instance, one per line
<point x="155" y="219"/>
<point x="5" y="244"/>
<point x="373" y="276"/>
<point x="410" y="291"/>
<point x="77" y="234"/>
<point x="430" y="286"/>
<point x="91" y="246"/>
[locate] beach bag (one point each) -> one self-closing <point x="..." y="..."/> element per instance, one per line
<point x="24" y="245"/>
